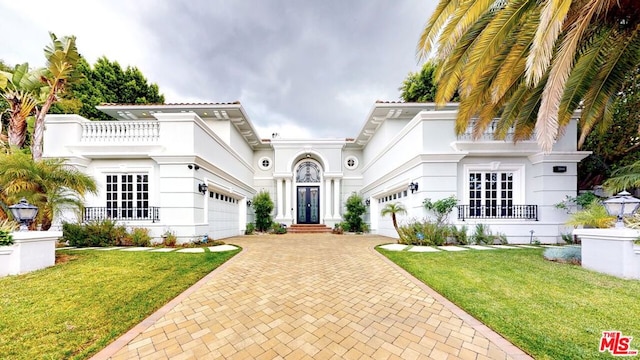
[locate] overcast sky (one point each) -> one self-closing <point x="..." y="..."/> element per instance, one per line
<point x="301" y="68"/>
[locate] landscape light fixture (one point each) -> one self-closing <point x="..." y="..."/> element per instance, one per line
<point x="24" y="213"/>
<point x="621" y="205"/>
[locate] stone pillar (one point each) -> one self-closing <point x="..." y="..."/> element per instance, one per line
<point x="280" y="199"/>
<point x="336" y="198"/>
<point x="327" y="202"/>
<point x="287" y="195"/>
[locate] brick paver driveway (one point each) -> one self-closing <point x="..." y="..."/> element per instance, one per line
<point x="310" y="297"/>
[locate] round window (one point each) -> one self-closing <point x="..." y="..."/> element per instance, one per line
<point x="351" y="162"/>
<point x="264" y="163"/>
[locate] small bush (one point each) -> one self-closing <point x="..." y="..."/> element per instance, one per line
<point x="567" y="254"/>
<point x="169" y="239"/>
<point x="140" y="237"/>
<point x="424" y="233"/>
<point x="251" y="228"/>
<point x="277" y="228"/>
<point x="354" y="210"/>
<point x="337" y="229"/>
<point x="6" y="228"/>
<point x="459" y="235"/>
<point x="484" y="236"/>
<point x="262" y="206"/>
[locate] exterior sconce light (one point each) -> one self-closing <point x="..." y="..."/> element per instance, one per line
<point x="367" y="202"/>
<point x="621" y="205"/>
<point x="193" y="166"/>
<point x="248" y="202"/>
<point x="413" y="187"/>
<point x="24" y="213"/>
<point x="202" y="188"/>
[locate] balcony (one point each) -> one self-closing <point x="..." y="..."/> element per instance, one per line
<point x="120" y="132"/>
<point x="518" y="212"/>
<point x="122" y="214"/>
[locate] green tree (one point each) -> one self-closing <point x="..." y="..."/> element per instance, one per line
<point x="33" y="92"/>
<point x="107" y="82"/>
<point x="394" y="209"/>
<point x="47" y="183"/>
<point x="617" y="145"/>
<point x="421" y="86"/>
<point x="532" y="62"/>
<point x="262" y="206"/>
<point x="441" y="208"/>
<point x="354" y="210"/>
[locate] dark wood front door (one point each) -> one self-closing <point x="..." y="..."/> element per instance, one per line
<point x="308" y="205"/>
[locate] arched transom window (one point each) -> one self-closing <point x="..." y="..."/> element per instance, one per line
<point x="308" y="172"/>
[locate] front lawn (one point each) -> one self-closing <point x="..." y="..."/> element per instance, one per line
<point x="75" y="309"/>
<point x="549" y="310"/>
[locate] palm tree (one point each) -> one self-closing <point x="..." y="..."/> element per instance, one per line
<point x="626" y="177"/>
<point x="62" y="57"/>
<point x="532" y="63"/>
<point x="26" y="90"/>
<point x="20" y="90"/>
<point x="48" y="183"/>
<point x="393" y="209"/>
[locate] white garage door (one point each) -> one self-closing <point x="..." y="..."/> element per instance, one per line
<point x="223" y="216"/>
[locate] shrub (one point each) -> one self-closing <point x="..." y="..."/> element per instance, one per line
<point x="96" y="233"/>
<point x="568" y="254"/>
<point x="355" y="209"/>
<point x="459" y="235"/>
<point x="250" y="229"/>
<point x="262" y="206"/>
<point x="484" y="236"/>
<point x="169" y="239"/>
<point x="6" y="228"/>
<point x="6" y="238"/>
<point x="277" y="228"/>
<point x="337" y="229"/>
<point x="140" y="237"/>
<point x="594" y="215"/>
<point x="424" y="233"/>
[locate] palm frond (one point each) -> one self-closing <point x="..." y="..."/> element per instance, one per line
<point x="429" y="35"/>
<point x="552" y="17"/>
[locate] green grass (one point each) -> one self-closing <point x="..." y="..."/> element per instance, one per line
<point x="73" y="310"/>
<point x="549" y="310"/>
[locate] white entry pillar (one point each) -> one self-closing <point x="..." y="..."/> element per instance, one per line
<point x="279" y="199"/>
<point x="287" y="195"/>
<point x="336" y="198"/>
<point x="327" y="203"/>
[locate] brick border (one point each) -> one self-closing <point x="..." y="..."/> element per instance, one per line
<point x="124" y="339"/>
<point x="505" y="345"/>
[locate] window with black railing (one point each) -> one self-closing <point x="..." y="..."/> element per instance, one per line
<point x="127" y="199"/>
<point x="491" y="196"/>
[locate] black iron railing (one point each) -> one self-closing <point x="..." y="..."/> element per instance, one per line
<point x="525" y="212"/>
<point x="101" y="213"/>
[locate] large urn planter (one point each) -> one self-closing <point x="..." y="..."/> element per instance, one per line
<point x="31" y="250"/>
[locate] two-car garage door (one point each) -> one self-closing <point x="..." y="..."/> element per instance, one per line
<point x="223" y="215"/>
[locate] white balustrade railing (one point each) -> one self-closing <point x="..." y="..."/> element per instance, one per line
<point x="120" y="131"/>
<point x="488" y="133"/>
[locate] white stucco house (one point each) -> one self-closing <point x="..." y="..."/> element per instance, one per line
<point x="193" y="168"/>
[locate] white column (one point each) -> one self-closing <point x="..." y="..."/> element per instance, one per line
<point x="280" y="199"/>
<point x="336" y="198"/>
<point x="327" y="201"/>
<point x="287" y="195"/>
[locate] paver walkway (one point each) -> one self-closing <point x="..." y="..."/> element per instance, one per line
<point x="310" y="297"/>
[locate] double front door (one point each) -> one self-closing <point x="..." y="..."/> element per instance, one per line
<point x="308" y="205"/>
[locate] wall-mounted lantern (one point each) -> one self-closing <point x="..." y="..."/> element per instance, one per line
<point x="413" y="187"/>
<point x="202" y="188"/>
<point x="367" y="202"/>
<point x="248" y="202"/>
